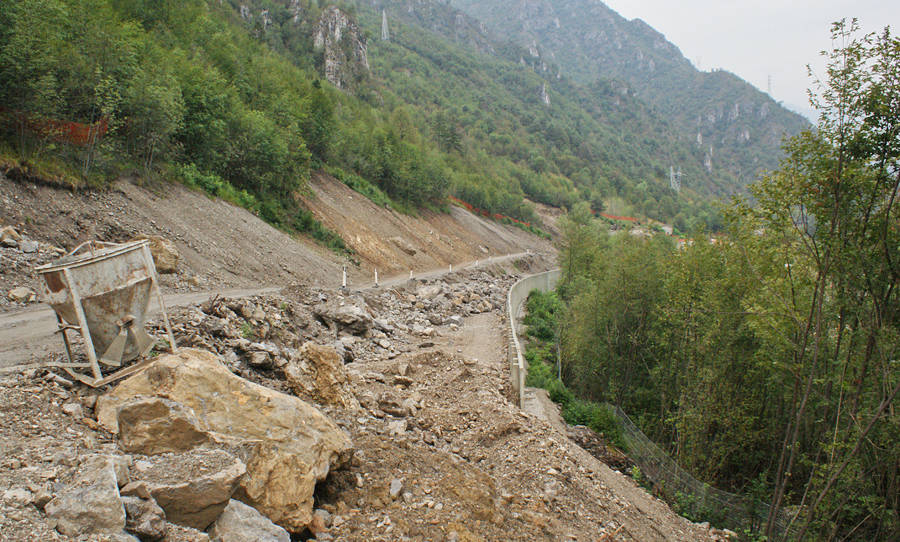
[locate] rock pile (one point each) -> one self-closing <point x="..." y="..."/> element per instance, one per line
<point x="263" y="338"/>
<point x="19" y="255"/>
<point x="242" y="440"/>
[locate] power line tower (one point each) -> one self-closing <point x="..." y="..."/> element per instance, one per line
<point x="385" y="33"/>
<point x="675" y="178"/>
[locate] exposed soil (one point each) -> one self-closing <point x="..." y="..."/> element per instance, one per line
<point x="226" y="247"/>
<point x="395" y="243"/>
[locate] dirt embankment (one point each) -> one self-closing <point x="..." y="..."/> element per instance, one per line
<point x="225" y="247"/>
<point x="395" y="243"/>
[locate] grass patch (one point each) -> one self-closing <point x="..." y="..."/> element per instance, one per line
<point x="362" y="186"/>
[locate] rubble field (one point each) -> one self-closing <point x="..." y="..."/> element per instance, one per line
<point x="316" y="414"/>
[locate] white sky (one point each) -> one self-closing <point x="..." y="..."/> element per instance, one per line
<point x="760" y="38"/>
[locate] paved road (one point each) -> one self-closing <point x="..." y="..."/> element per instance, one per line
<point x="28" y="335"/>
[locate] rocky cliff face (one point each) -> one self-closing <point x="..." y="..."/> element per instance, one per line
<point x="590" y="41"/>
<point x="343" y="45"/>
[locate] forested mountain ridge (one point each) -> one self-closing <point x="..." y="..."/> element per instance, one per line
<point x="738" y="128"/>
<point x="550" y="138"/>
<point x="233" y="97"/>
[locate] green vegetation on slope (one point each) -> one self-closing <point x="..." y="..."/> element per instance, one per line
<point x="195" y="90"/>
<point x="726" y="119"/>
<point x="766" y="362"/>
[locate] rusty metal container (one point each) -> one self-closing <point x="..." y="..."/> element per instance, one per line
<point x="103" y="291"/>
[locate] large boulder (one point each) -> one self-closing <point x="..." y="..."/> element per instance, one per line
<point x="165" y="253"/>
<point x="91" y="504"/>
<point x="240" y="523"/>
<point x="346" y="314"/>
<point x="153" y="425"/>
<point x="290" y="444"/>
<point x="318" y="372"/>
<point x="192" y="487"/>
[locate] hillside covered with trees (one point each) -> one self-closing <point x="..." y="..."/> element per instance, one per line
<point x="737" y="128"/>
<point x="765" y="360"/>
<point x="236" y="98"/>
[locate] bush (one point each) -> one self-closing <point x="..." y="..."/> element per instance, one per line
<point x="364" y="187"/>
<point x="216" y="186"/>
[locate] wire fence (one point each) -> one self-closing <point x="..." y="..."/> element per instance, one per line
<point x="691" y="496"/>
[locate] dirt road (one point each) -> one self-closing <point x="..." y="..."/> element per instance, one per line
<point x="29" y="336"/>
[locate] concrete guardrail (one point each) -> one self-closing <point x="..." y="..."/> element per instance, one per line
<point x="515" y="304"/>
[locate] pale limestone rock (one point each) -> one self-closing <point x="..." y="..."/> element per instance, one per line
<point x="165" y="253"/>
<point x="152" y="425"/>
<point x="318" y="372"/>
<point x="193" y="487"/>
<point x="291" y="445"/>
<point x="239" y="523"/>
<point x="91" y="504"/>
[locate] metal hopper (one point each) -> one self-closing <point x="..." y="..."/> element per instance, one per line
<point x="103" y="291"/>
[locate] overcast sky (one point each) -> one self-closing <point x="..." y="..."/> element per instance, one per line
<point x="757" y="39"/>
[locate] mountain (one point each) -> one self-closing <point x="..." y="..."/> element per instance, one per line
<point x="407" y="101"/>
<point x="738" y="128"/>
<point x="507" y="125"/>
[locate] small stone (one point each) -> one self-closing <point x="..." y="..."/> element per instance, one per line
<point x="28" y="247"/>
<point x="21" y="295"/>
<point x="41" y="497"/>
<point x="9" y="237"/>
<point x="396" y="488"/>
<point x="136" y="489"/>
<point x="260" y="360"/>
<point x="397" y="427"/>
<point x="74" y="409"/>
<point x="321" y="521"/>
<point x="242" y="523"/>
<point x="144" y="518"/>
<point x="18" y="497"/>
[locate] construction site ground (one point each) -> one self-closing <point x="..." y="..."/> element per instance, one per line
<point x="471" y="465"/>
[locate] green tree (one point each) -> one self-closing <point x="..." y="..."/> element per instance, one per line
<point x="155" y="113"/>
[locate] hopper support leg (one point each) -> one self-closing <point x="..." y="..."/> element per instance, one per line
<point x="154" y="279"/>
<point x="82" y="321"/>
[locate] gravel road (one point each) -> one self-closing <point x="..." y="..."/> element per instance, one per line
<point x="29" y="336"/>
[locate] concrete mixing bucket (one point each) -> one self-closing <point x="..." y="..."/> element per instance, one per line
<point x="103" y="290"/>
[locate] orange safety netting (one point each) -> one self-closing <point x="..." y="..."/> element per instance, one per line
<point x="75" y="133"/>
<point x="482" y="212"/>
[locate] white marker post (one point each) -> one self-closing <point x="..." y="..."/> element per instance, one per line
<point x="344" y="280"/>
<point x="410" y="274"/>
<point x="376" y="278"/>
<point x="451" y="267"/>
